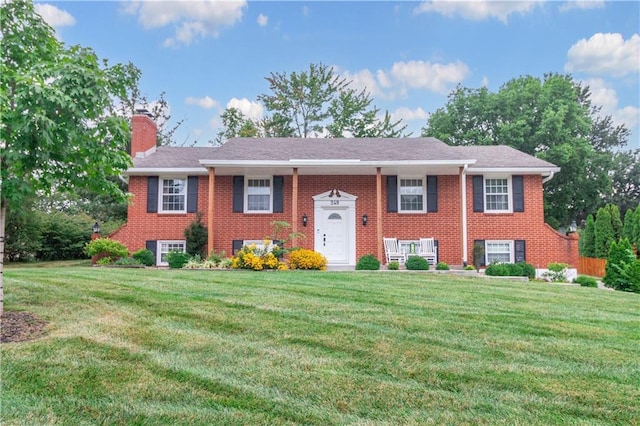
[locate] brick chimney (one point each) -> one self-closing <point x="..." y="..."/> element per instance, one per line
<point x="144" y="133"/>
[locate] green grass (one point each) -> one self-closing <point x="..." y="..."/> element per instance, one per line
<point x="130" y="346"/>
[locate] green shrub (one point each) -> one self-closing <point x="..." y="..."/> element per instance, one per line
<point x="368" y="262"/>
<point x="620" y="256"/>
<point x="499" y="270"/>
<point x="527" y="269"/>
<point x="393" y="266"/>
<point x="106" y="247"/>
<point x="469" y="268"/>
<point x="557" y="272"/>
<point x="196" y="236"/>
<point x="417" y="263"/>
<point x="442" y="266"/>
<point x="104" y="261"/>
<point x="585" y="281"/>
<point x="127" y="261"/>
<point x="520" y="269"/>
<point x="145" y="257"/>
<point x="177" y="259"/>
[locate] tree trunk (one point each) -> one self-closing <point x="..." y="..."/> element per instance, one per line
<point x="3" y="217"/>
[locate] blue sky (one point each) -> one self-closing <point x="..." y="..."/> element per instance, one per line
<point x="210" y="55"/>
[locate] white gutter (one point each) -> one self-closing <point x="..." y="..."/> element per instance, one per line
<point x="463" y="184"/>
<point x="331" y="162"/>
<point x="146" y="171"/>
<point x="548" y="178"/>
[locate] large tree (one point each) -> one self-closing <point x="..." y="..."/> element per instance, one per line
<point x="312" y="103"/>
<point x="59" y="129"/>
<point x="551" y="118"/>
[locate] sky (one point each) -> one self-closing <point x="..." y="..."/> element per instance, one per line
<point x="206" y="56"/>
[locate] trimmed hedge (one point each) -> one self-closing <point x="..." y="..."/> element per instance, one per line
<point x="521" y="269"/>
<point x="417" y="263"/>
<point x="368" y="262"/>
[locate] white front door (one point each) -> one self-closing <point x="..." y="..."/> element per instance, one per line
<point x="335" y="230"/>
<point x="331" y="235"/>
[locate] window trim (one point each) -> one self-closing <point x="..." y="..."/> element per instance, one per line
<point x="512" y="250"/>
<point x="424" y="194"/>
<point x="159" y="251"/>
<point x="509" y="194"/>
<point x="161" y="194"/>
<point x="246" y="194"/>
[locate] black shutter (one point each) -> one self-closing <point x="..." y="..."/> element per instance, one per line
<point x="278" y="194"/>
<point x="192" y="194"/>
<point x="152" y="194"/>
<point x="432" y="194"/>
<point x="236" y="246"/>
<point x="152" y="246"/>
<point x="479" y="257"/>
<point x="518" y="193"/>
<point x="520" y="251"/>
<point x="392" y="194"/>
<point x="238" y="194"/>
<point x="478" y="193"/>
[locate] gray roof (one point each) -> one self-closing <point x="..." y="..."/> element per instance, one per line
<point x="371" y="150"/>
<point x="363" y="149"/>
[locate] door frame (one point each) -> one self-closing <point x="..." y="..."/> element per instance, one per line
<point x="344" y="202"/>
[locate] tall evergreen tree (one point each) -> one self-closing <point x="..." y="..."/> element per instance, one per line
<point x="587" y="241"/>
<point x="604" y="233"/>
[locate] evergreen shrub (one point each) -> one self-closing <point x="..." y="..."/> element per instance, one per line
<point x="368" y="262"/>
<point x="145" y="257"/>
<point x="417" y="263"/>
<point x="585" y="281"/>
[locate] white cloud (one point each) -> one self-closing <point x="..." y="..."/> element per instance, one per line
<point x="53" y="16"/>
<point x="436" y="77"/>
<point x="477" y="10"/>
<point x="407" y="114"/>
<point x="249" y="109"/>
<point x="263" y="20"/>
<point x="191" y="19"/>
<point x="395" y="83"/>
<point x="581" y="4"/>
<point x="606" y="97"/>
<point x="206" y="102"/>
<point x="605" y="54"/>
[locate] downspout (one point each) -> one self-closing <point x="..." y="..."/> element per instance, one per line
<point x="463" y="184"/>
<point x="548" y="178"/>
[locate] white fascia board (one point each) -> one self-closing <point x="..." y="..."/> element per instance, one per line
<point x="331" y="162"/>
<point x="514" y="170"/>
<point x="151" y="171"/>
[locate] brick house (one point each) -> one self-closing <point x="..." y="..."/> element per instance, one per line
<point x="344" y="195"/>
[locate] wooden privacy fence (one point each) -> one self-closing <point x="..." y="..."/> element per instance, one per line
<point x="591" y="266"/>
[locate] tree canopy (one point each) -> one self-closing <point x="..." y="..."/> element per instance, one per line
<point x="59" y="128"/>
<point x="312" y="103"/>
<point x="551" y="118"/>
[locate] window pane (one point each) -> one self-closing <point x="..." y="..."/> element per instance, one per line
<point x="411" y="195"/>
<point x="165" y="248"/>
<point x="259" y="195"/>
<point x="497" y="194"/>
<point x="498" y="252"/>
<point x="173" y="194"/>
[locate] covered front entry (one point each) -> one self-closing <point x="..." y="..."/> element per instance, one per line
<point x="335" y="226"/>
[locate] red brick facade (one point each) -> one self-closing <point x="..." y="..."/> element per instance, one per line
<point x="543" y="244"/>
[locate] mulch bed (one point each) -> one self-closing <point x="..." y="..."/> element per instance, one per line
<point x="20" y="327"/>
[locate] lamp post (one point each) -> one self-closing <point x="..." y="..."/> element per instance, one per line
<point x="573" y="227"/>
<point x="94" y="236"/>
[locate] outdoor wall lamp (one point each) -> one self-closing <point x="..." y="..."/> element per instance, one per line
<point x="573" y="227"/>
<point x="305" y="219"/>
<point x="96" y="228"/>
<point x="365" y="219"/>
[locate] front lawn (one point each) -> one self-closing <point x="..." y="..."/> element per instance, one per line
<point x="131" y="346"/>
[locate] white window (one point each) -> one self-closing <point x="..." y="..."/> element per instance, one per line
<point x="411" y="194"/>
<point x="164" y="247"/>
<point x="497" y="195"/>
<point x="258" y="195"/>
<point x="173" y="195"/>
<point x="499" y="251"/>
